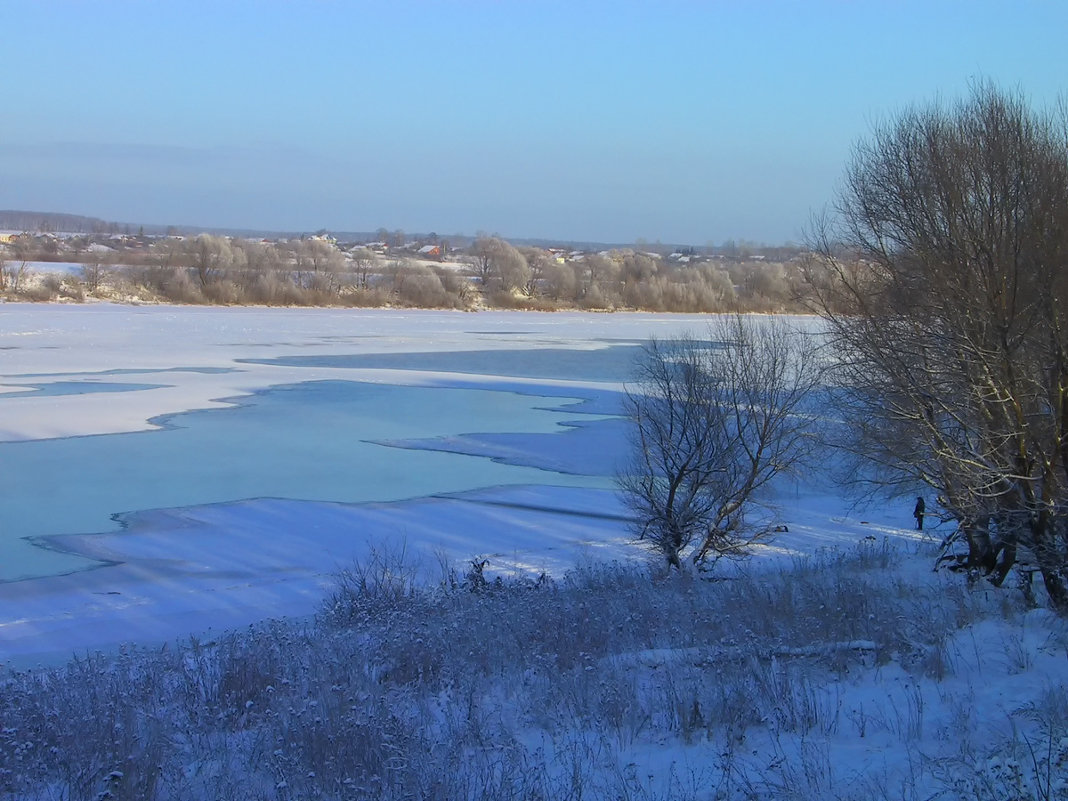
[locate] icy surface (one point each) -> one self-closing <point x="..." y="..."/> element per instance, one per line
<point x="215" y="567"/>
<point x="243" y="455"/>
<point x="311" y="441"/>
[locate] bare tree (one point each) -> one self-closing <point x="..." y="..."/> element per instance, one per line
<point x="561" y="281"/>
<point x="13" y="274"/>
<point x="15" y="269"/>
<point x="538" y="264"/>
<point x="943" y="275"/>
<point x="496" y="260"/>
<point x="319" y="265"/>
<point x="712" y="423"/>
<point x="600" y="280"/>
<point x="93" y="274"/>
<point x="364" y="263"/>
<point x="211" y="257"/>
<point x="482" y="250"/>
<point x="455" y="285"/>
<point x="512" y="269"/>
<point x="638" y="268"/>
<point x="165" y="254"/>
<point x="263" y="264"/>
<point x="415" y="284"/>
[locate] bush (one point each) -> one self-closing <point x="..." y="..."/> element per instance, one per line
<point x="224" y="292"/>
<point x="176" y="285"/>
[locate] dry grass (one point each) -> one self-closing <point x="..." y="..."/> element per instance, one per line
<point x="407" y="688"/>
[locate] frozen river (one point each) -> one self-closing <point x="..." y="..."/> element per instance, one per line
<point x="112" y="409"/>
<point x="217" y="465"/>
<point x="321" y="440"/>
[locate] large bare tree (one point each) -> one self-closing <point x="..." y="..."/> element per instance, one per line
<point x="210" y="256"/>
<point x="713" y="421"/>
<point x="943" y="271"/>
<point x="497" y="261"/>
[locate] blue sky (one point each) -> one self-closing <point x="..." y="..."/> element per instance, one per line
<point x="680" y="122"/>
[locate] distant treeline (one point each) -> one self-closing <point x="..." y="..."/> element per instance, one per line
<point x="316" y="271"/>
<point x="43" y="222"/>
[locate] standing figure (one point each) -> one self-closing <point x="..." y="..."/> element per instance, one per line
<point x="918" y="512"/>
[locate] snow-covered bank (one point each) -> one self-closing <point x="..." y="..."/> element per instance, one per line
<point x="172" y="572"/>
<point x="854" y="674"/>
<point x="194" y="570"/>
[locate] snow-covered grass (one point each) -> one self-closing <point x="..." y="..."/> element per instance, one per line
<point x="853" y="673"/>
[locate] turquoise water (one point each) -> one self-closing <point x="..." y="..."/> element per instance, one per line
<point x="57" y="388"/>
<point x="309" y="441"/>
<point x="614" y="363"/>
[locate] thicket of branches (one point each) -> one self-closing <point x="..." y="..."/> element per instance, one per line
<point x="713" y="422"/>
<point x="308" y="272"/>
<point x="943" y="274"/>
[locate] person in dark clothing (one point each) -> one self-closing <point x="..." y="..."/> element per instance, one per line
<point x="918" y="512"/>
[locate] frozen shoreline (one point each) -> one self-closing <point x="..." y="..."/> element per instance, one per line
<point x="197" y="570"/>
<point x="173" y="572"/>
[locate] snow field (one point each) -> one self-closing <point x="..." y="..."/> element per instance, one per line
<point x="282" y="648"/>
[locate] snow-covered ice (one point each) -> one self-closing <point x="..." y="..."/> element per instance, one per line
<point x="170" y="470"/>
<point x="118" y="421"/>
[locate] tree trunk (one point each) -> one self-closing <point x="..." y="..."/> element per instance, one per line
<point x="1052" y="566"/>
<point x="1004" y="564"/>
<point x="981" y="554"/>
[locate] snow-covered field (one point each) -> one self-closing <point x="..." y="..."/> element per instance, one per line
<point x="170" y="472"/>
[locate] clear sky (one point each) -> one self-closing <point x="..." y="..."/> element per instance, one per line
<point x="680" y="122"/>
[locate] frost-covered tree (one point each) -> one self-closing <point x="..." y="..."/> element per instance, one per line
<point x="539" y="262"/>
<point x="210" y="257"/>
<point x="93" y="274"/>
<point x="318" y="264"/>
<point x="943" y="272"/>
<point x="712" y="422"/>
<point x="497" y="261"/>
